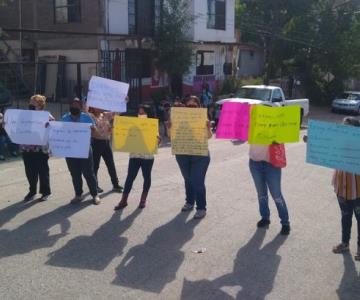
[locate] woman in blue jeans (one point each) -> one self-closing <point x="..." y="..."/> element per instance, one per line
<point x="267" y="177"/>
<point x="193" y="169"/>
<point x="138" y="161"/>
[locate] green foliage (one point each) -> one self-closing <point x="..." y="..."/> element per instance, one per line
<point x="230" y="85"/>
<point x="174" y="51"/>
<point x="305" y="39"/>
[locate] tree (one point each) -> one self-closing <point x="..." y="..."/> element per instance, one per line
<point x="172" y="40"/>
<point x="308" y="38"/>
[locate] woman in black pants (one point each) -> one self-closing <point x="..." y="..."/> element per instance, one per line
<point x="137" y="161"/>
<point x="101" y="146"/>
<point x="36" y="159"/>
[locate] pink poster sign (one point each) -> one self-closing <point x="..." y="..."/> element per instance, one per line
<point x="234" y="121"/>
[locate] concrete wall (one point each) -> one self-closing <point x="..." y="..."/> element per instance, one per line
<point x="39" y="14"/>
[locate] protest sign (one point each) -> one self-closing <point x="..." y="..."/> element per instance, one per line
<point x="69" y="139"/>
<point x="26" y="127"/>
<point x="189" y="135"/>
<point x="234" y="121"/>
<point x="334" y="146"/>
<point x="135" y="135"/>
<point x="107" y="94"/>
<point x="274" y="124"/>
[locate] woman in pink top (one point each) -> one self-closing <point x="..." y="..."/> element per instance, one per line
<point x="101" y="146"/>
<point x="267" y="177"/>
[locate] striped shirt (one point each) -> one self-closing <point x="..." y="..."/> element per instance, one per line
<point x="346" y="185"/>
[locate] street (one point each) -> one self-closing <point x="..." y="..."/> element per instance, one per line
<point x="54" y="250"/>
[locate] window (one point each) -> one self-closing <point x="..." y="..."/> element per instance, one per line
<point x="204" y="63"/>
<point x="144" y="15"/>
<point x="277" y="96"/>
<point x="67" y="11"/>
<point x="216" y="14"/>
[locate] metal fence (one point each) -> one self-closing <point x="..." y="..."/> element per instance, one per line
<point x="60" y="80"/>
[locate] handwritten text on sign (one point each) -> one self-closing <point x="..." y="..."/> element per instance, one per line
<point x="26" y="127"/>
<point x="274" y="124"/>
<point x="135" y="135"/>
<point x="334" y="146"/>
<point x="234" y="121"/>
<point x="189" y="131"/>
<point x="107" y="94"/>
<point x="69" y="139"/>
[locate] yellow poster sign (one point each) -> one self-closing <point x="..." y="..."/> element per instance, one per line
<point x="135" y="135"/>
<point x="189" y="131"/>
<point x="274" y="124"/>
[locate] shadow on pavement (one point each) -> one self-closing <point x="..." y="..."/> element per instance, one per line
<point x="10" y="212"/>
<point x="349" y="288"/>
<point x="149" y="267"/>
<point x="253" y="276"/>
<point x="97" y="251"/>
<point x="35" y="234"/>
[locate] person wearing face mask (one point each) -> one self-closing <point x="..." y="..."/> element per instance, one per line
<point x="79" y="167"/>
<point x="101" y="145"/>
<point x="36" y="159"/>
<point x="138" y="161"/>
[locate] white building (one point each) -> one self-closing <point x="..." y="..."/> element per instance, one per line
<point x="213" y="35"/>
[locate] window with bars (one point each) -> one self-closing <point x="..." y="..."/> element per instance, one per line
<point x="143" y="16"/>
<point x="216" y="14"/>
<point x="205" y="62"/>
<point x="67" y="11"/>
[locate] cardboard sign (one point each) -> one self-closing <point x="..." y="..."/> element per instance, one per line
<point x="107" y="94"/>
<point x="189" y="134"/>
<point x="135" y="135"/>
<point x="26" y="127"/>
<point x="274" y="124"/>
<point x="234" y="121"/>
<point x="334" y="146"/>
<point x="69" y="139"/>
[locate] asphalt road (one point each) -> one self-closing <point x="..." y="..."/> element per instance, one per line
<point x="54" y="250"/>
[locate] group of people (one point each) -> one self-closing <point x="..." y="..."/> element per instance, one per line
<point x="266" y="175"/>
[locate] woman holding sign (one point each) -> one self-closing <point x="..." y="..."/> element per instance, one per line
<point x="138" y="161"/>
<point x="101" y="146"/>
<point x="36" y="159"/>
<point x="193" y="169"/>
<point x="265" y="167"/>
<point x="79" y="167"/>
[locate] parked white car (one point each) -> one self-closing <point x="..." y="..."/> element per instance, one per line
<point x="347" y="102"/>
<point x="268" y="95"/>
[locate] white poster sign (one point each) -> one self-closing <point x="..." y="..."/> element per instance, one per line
<point x="69" y="139"/>
<point x="26" y="127"/>
<point x="107" y="94"/>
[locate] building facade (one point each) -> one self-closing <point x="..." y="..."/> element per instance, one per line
<point x="116" y="43"/>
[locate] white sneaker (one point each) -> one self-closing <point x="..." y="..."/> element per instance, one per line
<point x="96" y="200"/>
<point x="200" y="213"/>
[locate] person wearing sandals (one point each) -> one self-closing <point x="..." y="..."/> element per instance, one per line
<point x="138" y="161"/>
<point x="101" y="146"/>
<point x="347" y="189"/>
<point x="36" y="159"/>
<point x="79" y="167"/>
<point x="193" y="169"/>
<point x="267" y="177"/>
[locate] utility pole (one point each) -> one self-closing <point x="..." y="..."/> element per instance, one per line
<point x="20" y="36"/>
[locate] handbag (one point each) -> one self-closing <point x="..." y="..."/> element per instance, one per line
<point x="277" y="155"/>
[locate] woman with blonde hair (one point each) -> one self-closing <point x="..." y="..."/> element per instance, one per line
<point x="36" y="159"/>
